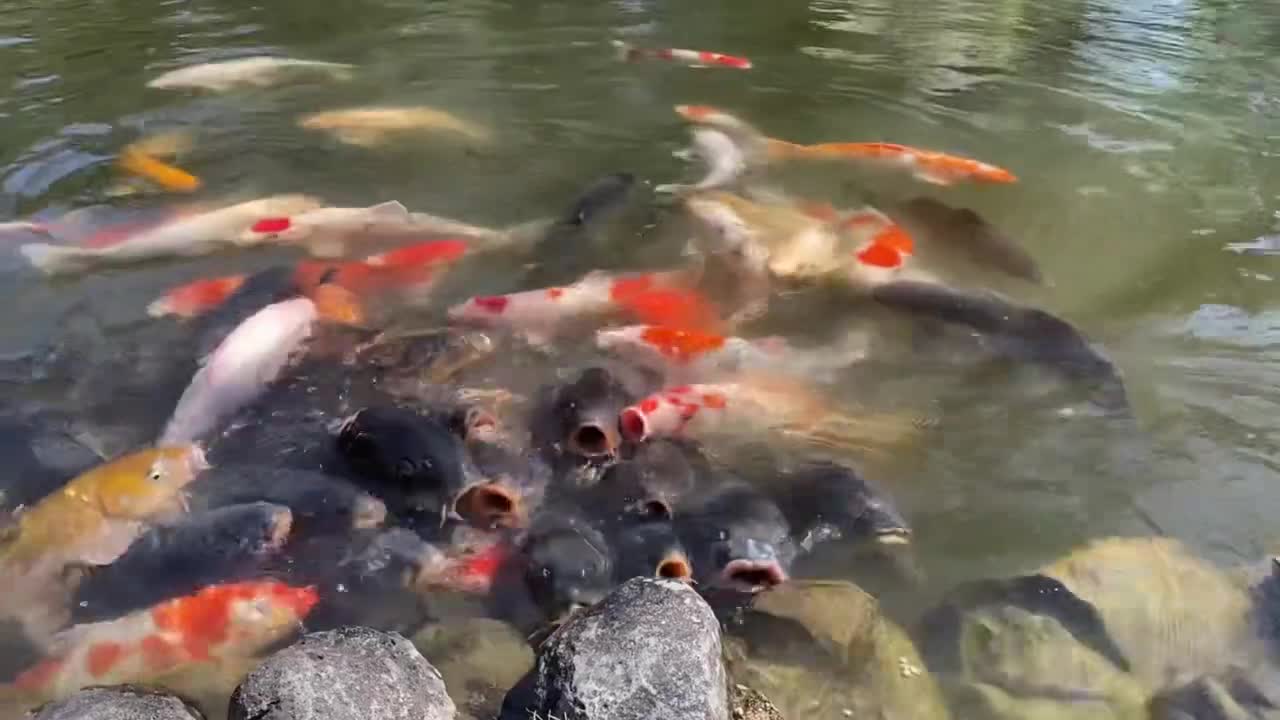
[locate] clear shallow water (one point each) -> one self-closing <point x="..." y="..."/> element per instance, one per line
<point x="1143" y="133"/>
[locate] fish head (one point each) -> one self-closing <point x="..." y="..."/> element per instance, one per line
<point x="508" y="488"/>
<point x="652" y="484"/>
<point x="567" y="565"/>
<point x="651" y="549"/>
<point x="263" y="612"/>
<point x="584" y="415"/>
<point x="260" y="528"/>
<point x="830" y="501"/>
<point x="739" y="540"/>
<point x="142" y="483"/>
<point x="708" y="115"/>
<point x="388" y="561"/>
<point x="411" y="461"/>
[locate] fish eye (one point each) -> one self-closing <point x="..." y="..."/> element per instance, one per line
<point x="156" y="474"/>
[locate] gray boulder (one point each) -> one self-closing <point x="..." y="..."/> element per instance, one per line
<point x="651" y="649"/>
<point x="118" y="703"/>
<point x="351" y="673"/>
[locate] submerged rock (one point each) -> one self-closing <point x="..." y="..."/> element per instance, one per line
<point x="124" y="702"/>
<point x="1172" y="614"/>
<point x="479" y="658"/>
<point x="345" y="674"/>
<point x="823" y="649"/>
<point x="651" y="649"/>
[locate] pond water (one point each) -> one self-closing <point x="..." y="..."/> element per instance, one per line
<point x="1143" y="134"/>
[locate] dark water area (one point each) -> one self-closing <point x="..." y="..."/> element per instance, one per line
<point x="1143" y="135"/>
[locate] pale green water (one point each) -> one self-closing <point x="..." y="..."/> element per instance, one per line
<point x="1144" y="135"/>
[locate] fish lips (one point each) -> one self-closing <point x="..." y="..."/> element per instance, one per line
<point x="753" y="565"/>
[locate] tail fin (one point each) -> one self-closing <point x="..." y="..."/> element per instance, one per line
<point x="57" y="259"/>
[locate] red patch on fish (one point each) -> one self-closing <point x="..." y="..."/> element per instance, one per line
<point x="649" y="406"/>
<point x="158" y="654"/>
<point x="680" y="344"/>
<point x="415" y="264"/>
<point x="104" y="656"/>
<point x="880" y="256"/>
<point x="272" y="225"/>
<point x="681" y="390"/>
<point x="354" y="275"/>
<point x="672" y="307"/>
<point x="495" y="304"/>
<point x="555" y="293"/>
<point x="630" y="287"/>
<point x="711" y="58"/>
<point x="116" y="234"/>
<point x="39" y="676"/>
<point x="715" y="401"/>
<point x="895" y="238"/>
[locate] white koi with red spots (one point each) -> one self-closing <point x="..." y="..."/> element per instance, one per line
<point x="693" y="58"/>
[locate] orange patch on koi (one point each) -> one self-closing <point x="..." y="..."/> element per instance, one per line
<point x="104" y="656"/>
<point x="40" y="675"/>
<point x="158" y="654"/>
<point x="880" y="256"/>
<point x="715" y="401"/>
<point x="681" y="344"/>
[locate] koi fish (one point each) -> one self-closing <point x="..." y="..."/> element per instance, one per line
<point x="374" y="126"/>
<point x="929" y="166"/>
<point x="196" y="297"/>
<point x="539" y="314"/>
<point x="166" y="176"/>
<point x="693" y="58"/>
<point x="217" y="623"/>
<point x="95" y="516"/>
<point x="967" y="231"/>
<point x="758" y="147"/>
<point x="192" y="236"/>
<point x="241" y="367"/>
<point x="692" y="353"/>
<point x="326" y="232"/>
<point x="259" y="71"/>
<point x="760" y="404"/>
<point x="725" y="160"/>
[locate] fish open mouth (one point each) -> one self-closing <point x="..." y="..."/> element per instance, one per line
<point x="634" y="425"/>
<point x="674" y="567"/>
<point x="594" y="439"/>
<point x="653" y="509"/>
<point x="753" y="575"/>
<point x="489" y="505"/>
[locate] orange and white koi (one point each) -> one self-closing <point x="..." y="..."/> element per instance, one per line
<point x="752" y="403"/>
<point x="693" y="58"/>
<point x="929" y="166"/>
<point x="167" y="176"/>
<point x="217" y="623"/>
<point x="781" y="241"/>
<point x="540" y="314"/>
<point x="696" y="355"/>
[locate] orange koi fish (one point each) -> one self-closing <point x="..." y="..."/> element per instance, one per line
<point x="926" y="165"/>
<point x="752" y="403"/>
<point x="219" y="622"/>
<point x="540" y="314"/>
<point x="163" y="174"/>
<point x="196" y="298"/>
<point x="693" y="58"/>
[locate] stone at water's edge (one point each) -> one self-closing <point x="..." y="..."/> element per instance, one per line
<point x="350" y="673"/>
<point x="651" y="649"/>
<point x="118" y="703"/>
